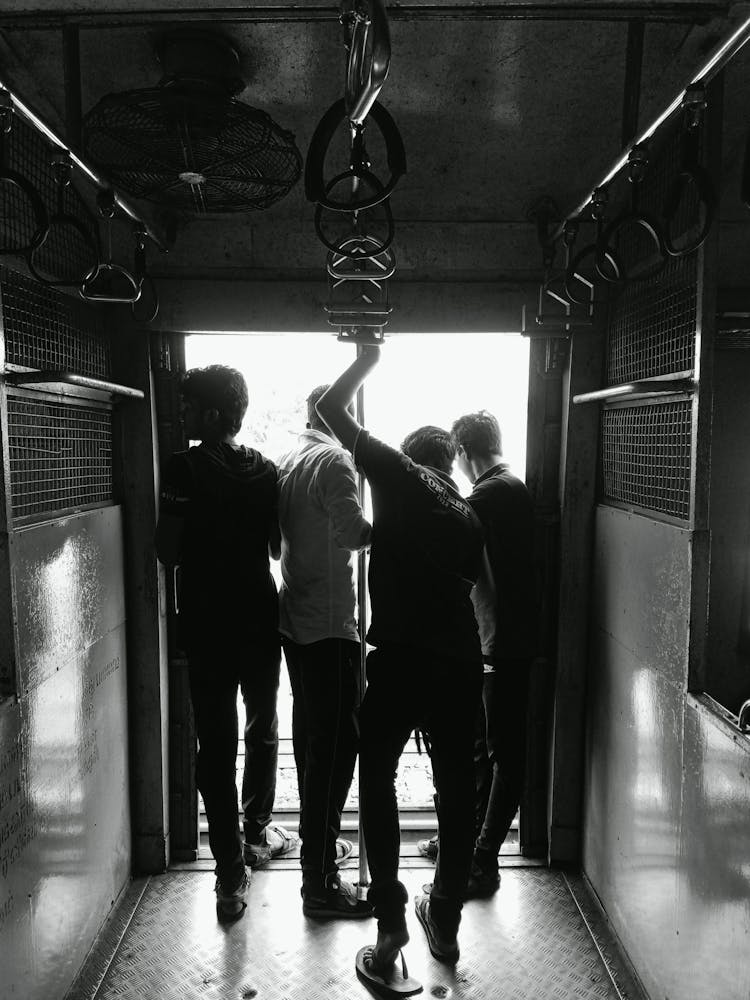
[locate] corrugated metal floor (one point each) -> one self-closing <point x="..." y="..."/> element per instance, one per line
<point x="540" y="937"/>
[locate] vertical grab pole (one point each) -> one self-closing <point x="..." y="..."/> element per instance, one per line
<point x="362" y="608"/>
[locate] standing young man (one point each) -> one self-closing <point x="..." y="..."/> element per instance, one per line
<point x="504" y="600"/>
<point x="322" y="524"/>
<point x="217" y="518"/>
<point x="425" y="671"/>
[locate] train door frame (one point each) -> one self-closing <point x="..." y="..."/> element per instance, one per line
<point x="543" y="438"/>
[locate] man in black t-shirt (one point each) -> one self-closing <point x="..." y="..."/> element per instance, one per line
<point x="217" y="518"/>
<point x="505" y="605"/>
<point x="424" y="673"/>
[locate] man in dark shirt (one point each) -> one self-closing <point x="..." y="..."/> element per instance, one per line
<point x="424" y="673"/>
<point x="217" y="517"/>
<point x="504" y="601"/>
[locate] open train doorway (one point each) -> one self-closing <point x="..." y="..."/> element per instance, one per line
<point x="421" y="379"/>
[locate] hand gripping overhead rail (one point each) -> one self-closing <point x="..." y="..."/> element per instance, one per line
<point x="161" y="241"/>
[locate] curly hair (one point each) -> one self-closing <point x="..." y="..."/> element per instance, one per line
<point x="430" y="445"/>
<point x="478" y="434"/>
<point x="221" y="388"/>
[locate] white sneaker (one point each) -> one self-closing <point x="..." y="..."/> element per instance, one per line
<point x="230" y="904"/>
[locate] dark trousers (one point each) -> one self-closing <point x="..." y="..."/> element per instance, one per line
<point x="500" y="756"/>
<point x="409" y="688"/>
<point x="216" y="671"/>
<point x="325" y="733"/>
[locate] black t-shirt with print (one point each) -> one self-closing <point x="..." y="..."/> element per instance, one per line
<point x="226" y="496"/>
<point x="425" y="554"/>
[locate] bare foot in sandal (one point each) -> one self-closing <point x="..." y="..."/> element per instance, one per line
<point x="387" y="947"/>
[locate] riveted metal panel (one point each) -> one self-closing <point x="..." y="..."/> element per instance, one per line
<point x="68" y="589"/>
<point x="633" y="789"/>
<point x="64" y="815"/>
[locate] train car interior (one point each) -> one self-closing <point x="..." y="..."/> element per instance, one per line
<point x="539" y="208"/>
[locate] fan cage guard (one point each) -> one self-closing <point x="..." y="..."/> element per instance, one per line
<point x="192" y="150"/>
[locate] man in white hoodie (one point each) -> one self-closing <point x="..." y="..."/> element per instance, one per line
<point x="322" y="525"/>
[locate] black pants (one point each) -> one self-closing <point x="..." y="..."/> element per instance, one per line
<point x="410" y="688"/>
<point x="325" y="733"/>
<point x="216" y="671"/>
<point x="500" y="756"/>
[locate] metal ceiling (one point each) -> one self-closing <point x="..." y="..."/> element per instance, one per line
<point x="498" y="105"/>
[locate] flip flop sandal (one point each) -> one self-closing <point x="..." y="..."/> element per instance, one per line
<point x="385" y="982"/>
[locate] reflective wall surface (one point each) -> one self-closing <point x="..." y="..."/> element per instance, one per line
<point x="667" y="801"/>
<point x="64" y="821"/>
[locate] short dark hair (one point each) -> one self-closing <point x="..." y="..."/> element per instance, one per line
<point x="432" y="446"/>
<point x="313" y="417"/>
<point x="221" y="388"/>
<point x="478" y="434"/>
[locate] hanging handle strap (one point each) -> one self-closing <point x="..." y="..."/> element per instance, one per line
<point x="634" y="219"/>
<point x="692" y="174"/>
<point x="62" y="169"/>
<point x="368" y="44"/>
<point x="15" y="181"/>
<point x="316" y="188"/>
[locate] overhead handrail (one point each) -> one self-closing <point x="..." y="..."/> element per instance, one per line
<point x="100" y="182"/>
<point x="63" y="170"/>
<point x="368" y="43"/>
<point x="642" y="387"/>
<point x="71" y="378"/>
<point x="16" y="181"/>
<point x="691" y="174"/>
<point x="712" y="65"/>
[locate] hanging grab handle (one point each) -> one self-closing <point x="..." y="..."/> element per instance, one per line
<point x="691" y="174"/>
<point x="605" y="263"/>
<point x="368" y="43"/>
<point x="316" y="188"/>
<point x="110" y="283"/>
<point x="62" y="169"/>
<point x="635" y="220"/>
<point x="17" y="182"/>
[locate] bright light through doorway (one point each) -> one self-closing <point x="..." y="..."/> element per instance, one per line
<point x="421" y="379"/>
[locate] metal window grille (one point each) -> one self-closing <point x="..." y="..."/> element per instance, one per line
<point x="653" y="325"/>
<point x="65" y="255"/>
<point x="46" y="329"/>
<point x="646" y="456"/>
<point x="60" y="456"/>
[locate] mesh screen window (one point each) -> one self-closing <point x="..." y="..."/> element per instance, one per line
<point x="653" y="325"/>
<point x="49" y="330"/>
<point x="60" y="456"/>
<point x="646" y="456"/>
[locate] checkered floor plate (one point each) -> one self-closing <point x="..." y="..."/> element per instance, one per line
<point x="532" y="941"/>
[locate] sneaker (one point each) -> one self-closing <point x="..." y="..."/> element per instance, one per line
<point x="230" y="903"/>
<point x="443" y="947"/>
<point x="344" y="849"/>
<point x="337" y="900"/>
<point x="276" y="841"/>
<point x="428" y="848"/>
<point x="481" y="885"/>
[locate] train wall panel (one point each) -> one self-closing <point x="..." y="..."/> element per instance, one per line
<point x="649" y="761"/>
<point x="64" y="814"/>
